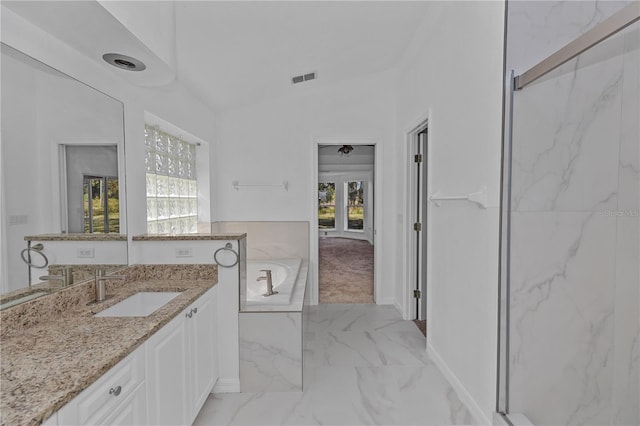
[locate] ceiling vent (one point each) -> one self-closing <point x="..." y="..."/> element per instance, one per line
<point x="302" y="78"/>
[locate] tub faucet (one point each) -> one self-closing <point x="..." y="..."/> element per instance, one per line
<point x="267" y="277"/>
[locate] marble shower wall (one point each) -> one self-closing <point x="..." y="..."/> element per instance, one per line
<point x="575" y="320"/>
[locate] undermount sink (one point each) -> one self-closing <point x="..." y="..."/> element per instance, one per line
<point x="139" y="305"/>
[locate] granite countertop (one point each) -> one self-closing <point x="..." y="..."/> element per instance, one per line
<point x="76" y="237"/>
<point x="189" y="237"/>
<point x="45" y="365"/>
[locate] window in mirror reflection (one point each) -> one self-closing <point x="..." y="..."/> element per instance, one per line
<point x="172" y="192"/>
<point x="101" y="204"/>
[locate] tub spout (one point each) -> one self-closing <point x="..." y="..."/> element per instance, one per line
<point x="267" y="277"/>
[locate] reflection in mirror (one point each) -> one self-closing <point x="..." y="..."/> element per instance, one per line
<point x="92" y="188"/>
<point x="62" y="144"/>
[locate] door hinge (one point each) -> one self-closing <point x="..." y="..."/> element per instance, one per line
<point x="416" y="294"/>
<point x="417" y="158"/>
<point x="417" y="226"/>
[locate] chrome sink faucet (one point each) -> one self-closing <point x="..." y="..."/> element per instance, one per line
<point x="101" y="278"/>
<point x="66" y="277"/>
<point x="267" y="277"/>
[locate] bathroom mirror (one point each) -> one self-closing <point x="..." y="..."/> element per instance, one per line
<point x="62" y="158"/>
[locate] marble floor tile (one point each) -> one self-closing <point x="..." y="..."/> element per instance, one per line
<point x="344" y="317"/>
<point x="363" y="366"/>
<point x="366" y="348"/>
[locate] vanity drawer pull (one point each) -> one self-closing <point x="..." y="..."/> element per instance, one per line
<point x="115" y="391"/>
<point x="195" y="310"/>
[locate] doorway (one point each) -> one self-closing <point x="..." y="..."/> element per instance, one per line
<point x="345" y="212"/>
<point x="418" y="215"/>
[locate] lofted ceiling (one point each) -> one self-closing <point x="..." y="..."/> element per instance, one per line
<point x="235" y="53"/>
<point x="238" y="53"/>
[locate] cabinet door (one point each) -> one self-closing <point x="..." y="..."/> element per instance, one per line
<point x="214" y="333"/>
<point x="133" y="410"/>
<point x="167" y="391"/>
<point x="202" y="330"/>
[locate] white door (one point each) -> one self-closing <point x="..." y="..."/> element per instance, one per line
<point x="420" y="223"/>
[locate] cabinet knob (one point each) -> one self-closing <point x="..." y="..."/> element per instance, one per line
<point x="115" y="391"/>
<point x="189" y="314"/>
<point x="195" y="310"/>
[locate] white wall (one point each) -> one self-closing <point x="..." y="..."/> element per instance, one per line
<point x="452" y="74"/>
<point x="274" y="141"/>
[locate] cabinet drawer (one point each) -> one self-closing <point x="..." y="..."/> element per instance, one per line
<point x="103" y="396"/>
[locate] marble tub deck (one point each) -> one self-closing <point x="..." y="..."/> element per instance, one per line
<point x="363" y="365"/>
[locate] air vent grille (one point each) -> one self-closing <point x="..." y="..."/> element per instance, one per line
<point x="302" y="78"/>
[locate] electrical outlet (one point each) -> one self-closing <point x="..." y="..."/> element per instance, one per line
<point x="86" y="252"/>
<point x="184" y="252"/>
<point x="18" y="219"/>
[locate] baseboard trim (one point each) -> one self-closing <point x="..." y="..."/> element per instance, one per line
<point x="464" y="395"/>
<point x="227" y="386"/>
<point x="518" y="419"/>
<point x="398" y="307"/>
<point x="388" y="301"/>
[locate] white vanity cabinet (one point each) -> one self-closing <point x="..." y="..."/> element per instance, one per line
<point x="164" y="382"/>
<point x="116" y="398"/>
<point x="180" y="364"/>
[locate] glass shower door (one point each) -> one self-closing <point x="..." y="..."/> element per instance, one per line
<point x="574" y="334"/>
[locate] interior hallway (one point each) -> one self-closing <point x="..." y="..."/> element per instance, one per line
<point x="363" y="365"/>
<point x="345" y="270"/>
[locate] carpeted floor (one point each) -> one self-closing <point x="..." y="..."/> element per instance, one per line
<point x="346" y="271"/>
